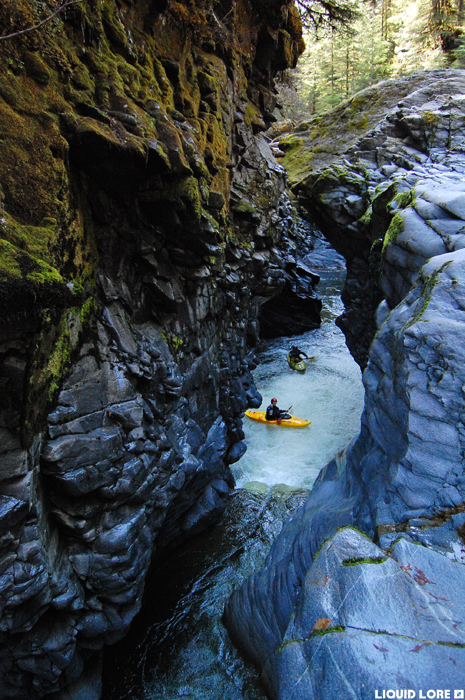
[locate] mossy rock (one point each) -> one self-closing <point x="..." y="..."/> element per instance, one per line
<point x="395" y="228"/>
<point x="318" y="142"/>
<point x="28" y="283"/>
<point x="80" y="77"/>
<point x="36" y="68"/>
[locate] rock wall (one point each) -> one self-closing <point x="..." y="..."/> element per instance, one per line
<point x="143" y="222"/>
<point x="363" y="589"/>
<point x="347" y="165"/>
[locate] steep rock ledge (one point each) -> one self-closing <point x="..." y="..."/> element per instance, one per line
<point x="363" y="589"/>
<point x="143" y="222"/>
<point x="347" y="165"/>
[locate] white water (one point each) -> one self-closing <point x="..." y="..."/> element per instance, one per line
<point x="330" y="394"/>
<point x="177" y="647"/>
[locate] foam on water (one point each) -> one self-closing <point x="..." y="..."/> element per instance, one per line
<point x="330" y="394"/>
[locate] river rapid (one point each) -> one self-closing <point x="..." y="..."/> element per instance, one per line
<point x="177" y="646"/>
<point x="329" y="393"/>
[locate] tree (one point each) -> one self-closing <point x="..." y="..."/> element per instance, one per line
<point x="445" y="22"/>
<point x="390" y="38"/>
<point x="318" y="14"/>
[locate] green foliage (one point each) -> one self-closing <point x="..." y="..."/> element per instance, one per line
<point x="446" y="25"/>
<point x="318" y="14"/>
<point x="388" y="38"/>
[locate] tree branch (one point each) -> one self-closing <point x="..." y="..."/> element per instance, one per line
<point x="36" y="26"/>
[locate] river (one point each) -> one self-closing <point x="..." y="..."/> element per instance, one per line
<point x="177" y="646"/>
<point x="329" y="393"/>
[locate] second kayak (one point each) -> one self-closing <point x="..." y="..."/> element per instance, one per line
<point x="299" y="365"/>
<point x="292" y="422"/>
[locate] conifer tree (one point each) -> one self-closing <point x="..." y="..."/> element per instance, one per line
<point x="383" y="38"/>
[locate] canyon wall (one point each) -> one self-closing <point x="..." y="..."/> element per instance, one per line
<point x="143" y="222"/>
<point x="363" y="589"/>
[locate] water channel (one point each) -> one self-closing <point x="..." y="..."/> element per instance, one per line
<point x="177" y="647"/>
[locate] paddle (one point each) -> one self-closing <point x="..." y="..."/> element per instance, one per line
<point x="279" y="420"/>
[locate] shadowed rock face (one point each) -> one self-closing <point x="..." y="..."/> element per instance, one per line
<point x="334" y="612"/>
<point x="296" y="309"/>
<point x="143" y="222"/>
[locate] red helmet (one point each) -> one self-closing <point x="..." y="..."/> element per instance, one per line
<point x="274" y="400"/>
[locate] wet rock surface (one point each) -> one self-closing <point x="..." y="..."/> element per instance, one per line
<point x="178" y="645"/>
<point x="142" y="225"/>
<point x="334" y="611"/>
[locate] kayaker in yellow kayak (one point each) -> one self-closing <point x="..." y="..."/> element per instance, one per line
<point x="275" y="413"/>
<point x="296" y="354"/>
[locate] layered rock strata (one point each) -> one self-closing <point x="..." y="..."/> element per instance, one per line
<point x="363" y="589"/>
<point x="143" y="222"/>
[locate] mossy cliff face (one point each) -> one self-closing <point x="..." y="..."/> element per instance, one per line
<point x="140" y="229"/>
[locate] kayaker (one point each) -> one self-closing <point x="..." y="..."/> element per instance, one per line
<point x="296" y="354"/>
<point x="275" y="413"/>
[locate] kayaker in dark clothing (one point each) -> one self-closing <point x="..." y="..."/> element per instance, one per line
<point x="275" y="413"/>
<point x="296" y="354"/>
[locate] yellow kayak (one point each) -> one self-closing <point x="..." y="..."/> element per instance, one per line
<point x="299" y="365"/>
<point x="292" y="422"/>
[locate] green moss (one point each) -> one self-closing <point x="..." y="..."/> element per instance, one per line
<point x="16" y="263"/>
<point x="299" y="158"/>
<point x="359" y="123"/>
<point x="395" y="228"/>
<point x="405" y="199"/>
<point x="9" y="265"/>
<point x="353" y="527"/>
<point x="35" y="241"/>
<point x="44" y="274"/>
<point x="30" y="177"/>
<point x="366" y="560"/>
<point x="328" y="630"/>
<point x="80" y="68"/>
<point x="36" y="68"/>
<point x="253" y="116"/>
<point x="114" y="27"/>
<point x="244" y="207"/>
<point x="88" y="311"/>
<point x="392" y="528"/>
<point x="164" y="85"/>
<point x="57" y="362"/>
<point x="188" y="190"/>
<point x="81" y="78"/>
<point x="429" y="284"/>
<point x="366" y="218"/>
<point x="52" y="355"/>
